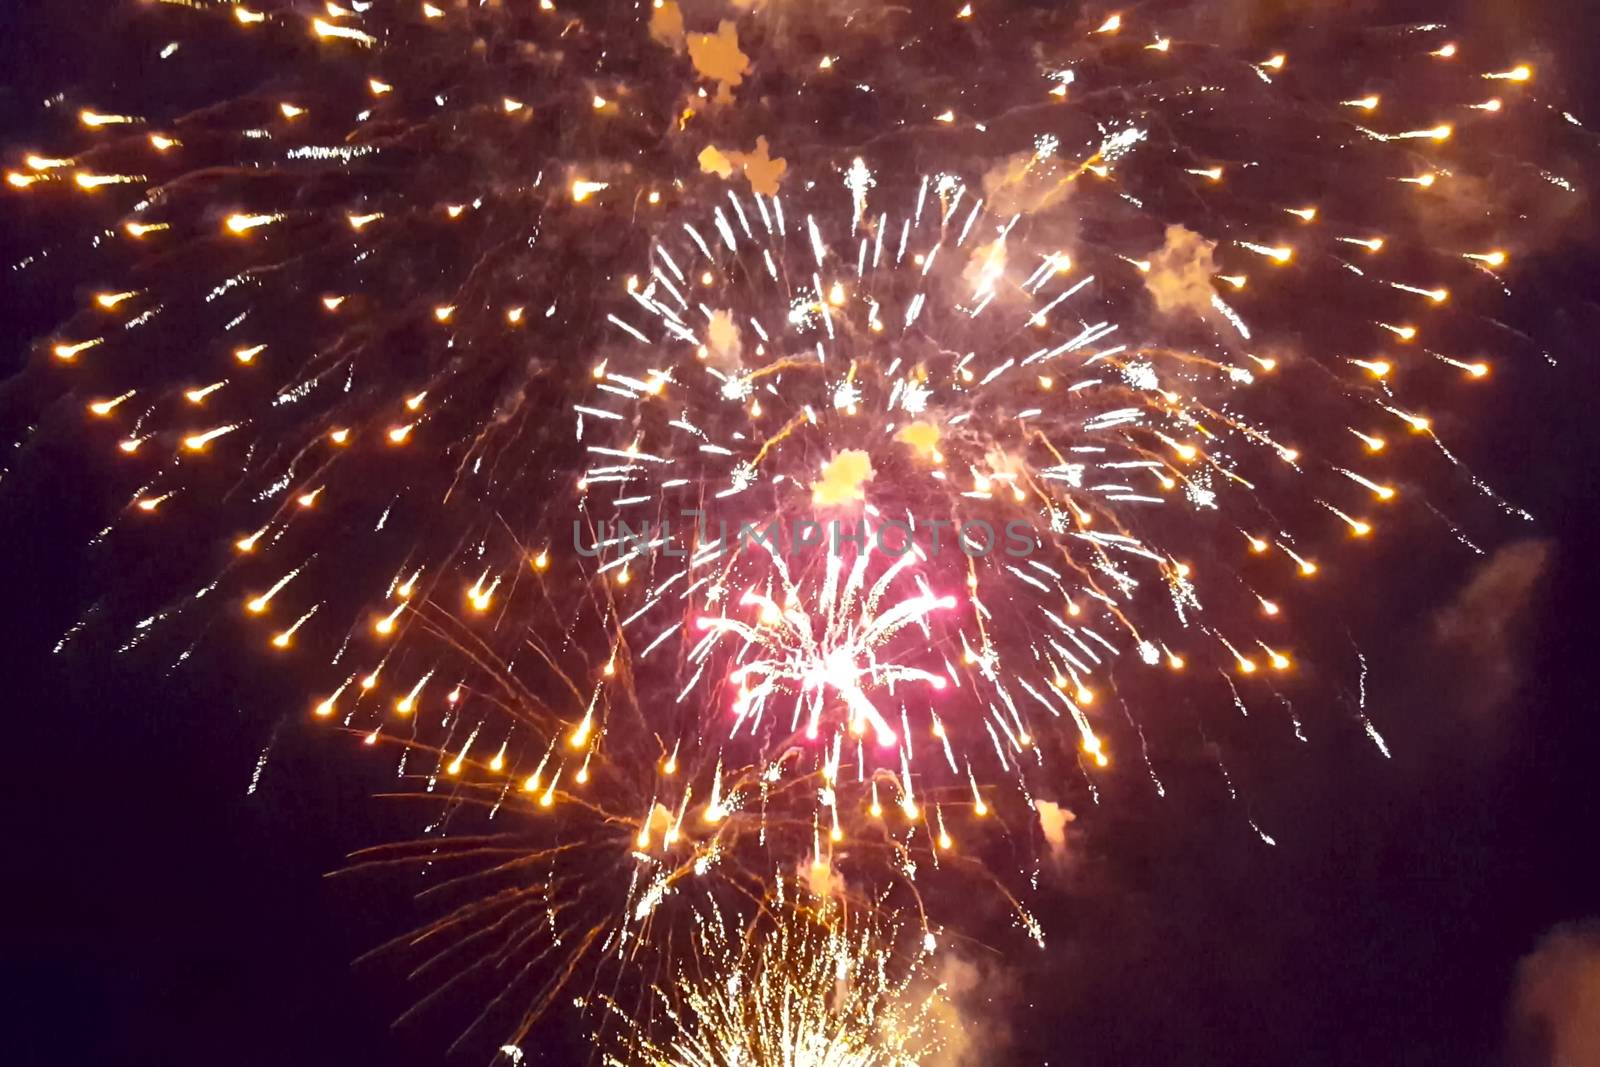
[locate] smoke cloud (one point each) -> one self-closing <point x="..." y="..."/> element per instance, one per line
<point x="843" y="480"/>
<point x="1180" y="273"/>
<point x="970" y="1016"/>
<point x="1555" y="1005"/>
<point x="1485" y="619"/>
<point x="1053" y="821"/>
<point x="759" y="168"/>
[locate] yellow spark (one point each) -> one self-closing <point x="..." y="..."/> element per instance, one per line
<point x="1209" y="173"/>
<point x="325" y="29"/>
<point x="945" y="116"/>
<point x="340" y="436"/>
<point x="1417" y="423"/>
<point x="1446" y="52"/>
<point x="398" y="435"/>
<point x="511" y="106"/>
<point x="103" y="408"/>
<point x="1365" y="103"/>
<point x="599" y="103"/>
<point x="965" y="12"/>
<point x="481" y="597"/>
<point x="248" y="355"/>
<point x="68" y="352"/>
<point x="443" y="312"/>
<point x="139" y="229"/>
<point x="162" y="143"/>
<point x="197" y="442"/>
<point x="94" y="119"/>
<point x="1305" y="214"/>
<point x="111" y="300"/>
<point x="514" y="315"/>
<point x="378" y="87"/>
<point x="1161" y="44"/>
<point x="284" y="637"/>
<point x="1276" y="62"/>
<point x="385" y="624"/>
<point x="326" y="707"/>
<point x="247" y="16"/>
<point x="308" y="500"/>
<point x="290" y="111"/>
<point x="583" y="190"/>
<point x="256" y="605"/>
<point x="358" y="221"/>
<point x="1110" y="25"/>
<point x="1493" y="259"/>
<point x="1516" y="74"/>
<point x="332" y="302"/>
<point x="408" y="703"/>
<point x="87" y="180"/>
<point x="241" y="224"/>
<point x="429" y="11"/>
<point x="1374" y="444"/>
<point x="1371" y="244"/>
<point x="1492" y="104"/>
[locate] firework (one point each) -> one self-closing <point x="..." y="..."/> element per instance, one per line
<point x="731" y="452"/>
<point x="796" y="987"/>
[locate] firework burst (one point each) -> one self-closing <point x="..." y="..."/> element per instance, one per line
<point x="796" y="986"/>
<point x="466" y="331"/>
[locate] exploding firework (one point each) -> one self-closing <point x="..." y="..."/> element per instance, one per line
<point x="532" y="366"/>
<point x="795" y="987"/>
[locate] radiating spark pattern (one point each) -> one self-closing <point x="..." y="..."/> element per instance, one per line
<point x="792" y="987"/>
<point x="529" y="366"/>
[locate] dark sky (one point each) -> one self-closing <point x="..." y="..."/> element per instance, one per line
<point x="160" y="913"/>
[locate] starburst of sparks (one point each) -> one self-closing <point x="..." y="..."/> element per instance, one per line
<point x="505" y="349"/>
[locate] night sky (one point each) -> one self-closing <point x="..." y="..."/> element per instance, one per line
<point x="162" y="910"/>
